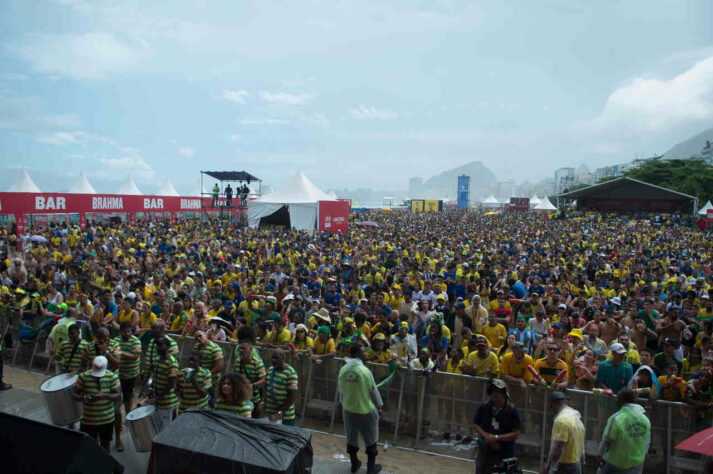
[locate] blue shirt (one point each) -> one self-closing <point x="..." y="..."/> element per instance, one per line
<point x="615" y="378"/>
<point x="528" y="337"/>
<point x="436" y="346"/>
<point x="519" y="290"/>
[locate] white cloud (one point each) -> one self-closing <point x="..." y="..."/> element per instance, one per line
<point x="114" y="169"/>
<point x="184" y="152"/>
<point x="57" y="138"/>
<point x="654" y="104"/>
<point x="12" y="76"/>
<point x="80" y="56"/>
<point x="283" y="98"/>
<point x="262" y="121"/>
<point x="318" y="119"/>
<point x="234" y="137"/>
<point x="235" y="96"/>
<point x="371" y="113"/>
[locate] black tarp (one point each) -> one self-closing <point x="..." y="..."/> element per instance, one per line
<point x="32" y="446"/>
<point x="202" y="441"/>
<point x="231" y="176"/>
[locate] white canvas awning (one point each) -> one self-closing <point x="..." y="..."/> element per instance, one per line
<point x="128" y="187"/>
<point x="167" y="189"/>
<point x="299" y="195"/>
<point x="491" y="200"/>
<point x="704" y="209"/>
<point x="82" y="185"/>
<point x="534" y="201"/>
<point x="24" y="184"/>
<point x="545" y="205"/>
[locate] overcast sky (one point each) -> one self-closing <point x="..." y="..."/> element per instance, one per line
<point x="352" y="93"/>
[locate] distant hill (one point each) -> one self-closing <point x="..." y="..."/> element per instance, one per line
<point x="445" y="184"/>
<point x="691" y="147"/>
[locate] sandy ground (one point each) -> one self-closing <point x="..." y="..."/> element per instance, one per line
<point x="324" y="445"/>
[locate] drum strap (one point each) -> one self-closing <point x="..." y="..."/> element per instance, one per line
<point x="74" y="351"/>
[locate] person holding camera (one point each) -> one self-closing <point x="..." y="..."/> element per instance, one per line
<point x="498" y="424"/>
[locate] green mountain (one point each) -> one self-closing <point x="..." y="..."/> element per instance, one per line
<point x="445" y="185"/>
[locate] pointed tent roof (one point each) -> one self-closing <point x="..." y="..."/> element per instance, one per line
<point x="128" y="187"/>
<point x="545" y="205"/>
<point x="704" y="209"/>
<point x="332" y="195"/>
<point x="82" y="186"/>
<point x="24" y="184"/>
<point x="299" y="189"/>
<point x="167" y="189"/>
<point x="491" y="200"/>
<point x="534" y="201"/>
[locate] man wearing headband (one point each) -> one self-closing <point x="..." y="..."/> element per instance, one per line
<point x="498" y="424"/>
<point x="323" y="346"/>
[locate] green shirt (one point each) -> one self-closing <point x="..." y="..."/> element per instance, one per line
<point x="128" y="369"/>
<point x="98" y="412"/>
<point x="71" y="357"/>
<point x="165" y="371"/>
<point x="245" y="408"/>
<point x="151" y="357"/>
<point x="211" y="353"/>
<point x="254" y="370"/>
<point x="90" y="352"/>
<point x="190" y="398"/>
<point x="277" y="385"/>
<point x="629" y="433"/>
<point x="354" y="383"/>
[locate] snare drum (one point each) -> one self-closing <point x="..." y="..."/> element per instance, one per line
<point x="57" y="390"/>
<point x="143" y="425"/>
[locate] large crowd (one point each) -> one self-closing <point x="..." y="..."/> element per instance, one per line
<point x="593" y="302"/>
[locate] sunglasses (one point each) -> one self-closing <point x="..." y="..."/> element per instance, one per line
<point x="553" y="349"/>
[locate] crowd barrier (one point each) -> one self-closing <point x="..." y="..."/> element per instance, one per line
<point x="419" y="408"/>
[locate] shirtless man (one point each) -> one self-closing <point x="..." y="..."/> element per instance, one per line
<point x="638" y="333"/>
<point x="609" y="329"/>
<point x="670" y="327"/>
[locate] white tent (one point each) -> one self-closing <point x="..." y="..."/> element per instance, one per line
<point x="545" y="205"/>
<point x="82" y="186"/>
<point x="24" y="184"/>
<point x="534" y="201"/>
<point x="128" y="187"/>
<point x="704" y="209"/>
<point x="167" y="189"/>
<point x="491" y="200"/>
<point x="299" y="195"/>
<point x="332" y="195"/>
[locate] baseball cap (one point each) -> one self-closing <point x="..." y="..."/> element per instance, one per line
<point x="616" y="301"/>
<point x="481" y="341"/>
<point x="557" y="396"/>
<point x="99" y="366"/>
<point x="563" y="306"/>
<point x="558" y="325"/>
<point x="499" y="384"/>
<point x="459" y="305"/>
<point x="440" y="297"/>
<point x="519" y="346"/>
<point x="271" y="299"/>
<point x="379" y="337"/>
<point x="618" y="348"/>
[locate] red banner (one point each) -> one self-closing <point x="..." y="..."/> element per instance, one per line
<point x="333" y="216"/>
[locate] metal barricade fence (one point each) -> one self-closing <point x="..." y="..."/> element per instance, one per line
<point x="418" y="405"/>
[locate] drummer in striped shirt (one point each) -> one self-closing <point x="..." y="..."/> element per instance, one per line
<point x="129" y="361"/>
<point x="280" y="390"/>
<point x="212" y="358"/>
<point x="109" y="348"/>
<point x="158" y="330"/>
<point x="166" y="399"/>
<point x="98" y="389"/>
<point x="69" y="353"/>
<point x="248" y="363"/>
<point x="193" y="384"/>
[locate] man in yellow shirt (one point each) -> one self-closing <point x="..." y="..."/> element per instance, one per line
<point x="494" y="331"/>
<point x="514" y="366"/>
<point x="567" y="446"/>
<point x="481" y="362"/>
